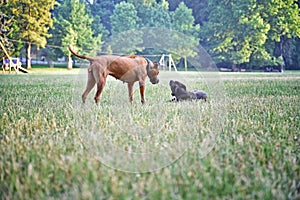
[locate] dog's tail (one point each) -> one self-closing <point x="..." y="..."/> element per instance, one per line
<point x="79" y="56"/>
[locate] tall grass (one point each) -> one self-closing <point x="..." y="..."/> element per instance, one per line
<point x="241" y="144"/>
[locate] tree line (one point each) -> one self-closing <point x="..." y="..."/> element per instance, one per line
<point x="250" y="34"/>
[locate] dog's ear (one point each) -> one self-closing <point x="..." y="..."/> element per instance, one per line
<point x="155" y="65"/>
<point x="171" y="83"/>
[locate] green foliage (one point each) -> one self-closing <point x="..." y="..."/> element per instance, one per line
<point x="103" y="9"/>
<point x="124" y="18"/>
<point x="239" y="31"/>
<point x="154" y="16"/>
<point x="31" y="22"/>
<point x="142" y="3"/>
<point x="187" y="39"/>
<point x="199" y="8"/>
<point x="98" y="27"/>
<point x="33" y="19"/>
<point x="100" y="11"/>
<point x="74" y="25"/>
<point x="283" y="17"/>
<point x="125" y="42"/>
<point x="184" y="21"/>
<point x="5" y="30"/>
<point x="125" y="36"/>
<point x="131" y="20"/>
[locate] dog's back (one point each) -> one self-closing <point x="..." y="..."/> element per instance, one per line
<point x="200" y="94"/>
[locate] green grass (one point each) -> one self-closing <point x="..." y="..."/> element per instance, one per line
<point x="243" y="143"/>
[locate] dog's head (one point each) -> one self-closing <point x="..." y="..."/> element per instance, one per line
<point x="152" y="72"/>
<point x="175" y="85"/>
<point x="179" y="91"/>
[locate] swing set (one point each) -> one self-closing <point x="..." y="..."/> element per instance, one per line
<point x="9" y="63"/>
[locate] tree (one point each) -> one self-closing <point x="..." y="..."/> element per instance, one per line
<point x="284" y="19"/>
<point x="74" y="26"/>
<point x="125" y="37"/>
<point x="141" y="3"/>
<point x="188" y="39"/>
<point x="235" y="31"/>
<point x="5" y="30"/>
<point x="154" y="21"/>
<point x="184" y="21"/>
<point x="33" y="19"/>
<point x="101" y="10"/>
<point x="199" y="8"/>
<point x="296" y="53"/>
<point x="156" y="15"/>
<point x="242" y="31"/>
<point x="124" y="18"/>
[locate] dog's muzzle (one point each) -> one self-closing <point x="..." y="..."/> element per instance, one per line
<point x="154" y="80"/>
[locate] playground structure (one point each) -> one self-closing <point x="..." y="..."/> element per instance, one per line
<point x="164" y="62"/>
<point x="9" y="63"/>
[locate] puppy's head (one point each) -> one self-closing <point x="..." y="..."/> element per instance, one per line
<point x="176" y="85"/>
<point x="173" y="87"/>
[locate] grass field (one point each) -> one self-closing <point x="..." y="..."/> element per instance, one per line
<point x="243" y="143"/>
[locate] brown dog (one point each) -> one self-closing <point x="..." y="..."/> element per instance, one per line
<point x="128" y="69"/>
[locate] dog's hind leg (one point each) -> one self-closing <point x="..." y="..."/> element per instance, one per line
<point x="89" y="86"/>
<point x="130" y="91"/>
<point x="100" y="86"/>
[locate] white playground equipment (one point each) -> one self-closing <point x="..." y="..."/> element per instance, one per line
<point x="10" y="62"/>
<point x="165" y="61"/>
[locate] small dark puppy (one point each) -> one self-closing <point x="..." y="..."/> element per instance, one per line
<point x="180" y="93"/>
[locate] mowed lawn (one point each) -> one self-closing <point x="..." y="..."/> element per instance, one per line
<point x="243" y="143"/>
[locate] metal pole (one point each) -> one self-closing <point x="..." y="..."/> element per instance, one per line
<point x="4" y="50"/>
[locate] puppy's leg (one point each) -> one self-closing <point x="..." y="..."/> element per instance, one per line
<point x="89" y="86"/>
<point x="100" y="86"/>
<point x="142" y="91"/>
<point x="130" y="91"/>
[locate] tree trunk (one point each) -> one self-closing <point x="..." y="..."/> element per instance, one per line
<point x="185" y="63"/>
<point x="28" y="60"/>
<point x="282" y="51"/>
<point x="51" y="63"/>
<point x="69" y="62"/>
<point x="282" y="64"/>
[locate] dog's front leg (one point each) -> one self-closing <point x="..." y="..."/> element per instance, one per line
<point x="130" y="91"/>
<point x="142" y="91"/>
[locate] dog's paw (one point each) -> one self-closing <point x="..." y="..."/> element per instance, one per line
<point x="174" y="98"/>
